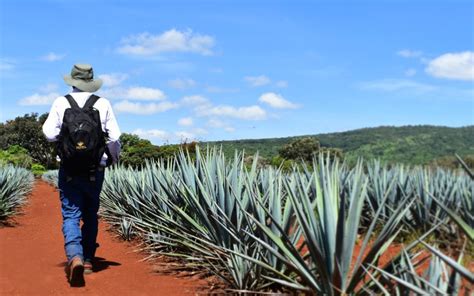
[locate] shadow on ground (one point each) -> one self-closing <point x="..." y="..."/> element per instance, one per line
<point x="99" y="264"/>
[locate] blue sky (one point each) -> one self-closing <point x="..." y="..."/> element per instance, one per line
<point x="220" y="70"/>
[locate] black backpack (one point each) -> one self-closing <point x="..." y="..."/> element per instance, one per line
<point x="81" y="142"/>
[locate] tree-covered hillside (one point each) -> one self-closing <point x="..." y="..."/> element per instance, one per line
<point x="407" y="144"/>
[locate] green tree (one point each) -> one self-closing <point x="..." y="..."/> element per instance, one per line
<point x="135" y="151"/>
<point x="26" y="131"/>
<point x="300" y="149"/>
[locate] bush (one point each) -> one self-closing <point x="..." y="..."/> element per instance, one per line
<point x="37" y="169"/>
<point x="17" y="156"/>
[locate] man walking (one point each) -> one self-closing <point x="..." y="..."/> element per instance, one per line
<point x="87" y="135"/>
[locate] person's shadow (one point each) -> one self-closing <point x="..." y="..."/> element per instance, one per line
<point x="98" y="265"/>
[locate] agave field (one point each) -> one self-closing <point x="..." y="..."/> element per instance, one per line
<point x="323" y="228"/>
<point x="15" y="184"/>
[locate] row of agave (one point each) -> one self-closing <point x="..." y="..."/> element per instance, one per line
<point x="320" y="229"/>
<point x="323" y="229"/>
<point x="15" y="184"/>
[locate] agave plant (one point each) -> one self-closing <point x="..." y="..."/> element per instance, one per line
<point x="329" y="220"/>
<point x="15" y="184"/>
<point x="51" y="177"/>
<point x="442" y="277"/>
<point x="261" y="229"/>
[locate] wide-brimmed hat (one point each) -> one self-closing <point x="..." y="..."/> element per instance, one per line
<point x="82" y="77"/>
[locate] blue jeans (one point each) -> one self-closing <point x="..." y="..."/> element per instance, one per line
<point x="80" y="200"/>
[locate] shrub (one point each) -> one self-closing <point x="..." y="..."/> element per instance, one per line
<point x="17" y="156"/>
<point x="37" y="169"/>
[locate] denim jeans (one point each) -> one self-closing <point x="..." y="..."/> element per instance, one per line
<point x="80" y="200"/>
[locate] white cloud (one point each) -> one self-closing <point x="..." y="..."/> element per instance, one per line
<point x="134" y="93"/>
<point x="48" y="88"/>
<point x="45" y="96"/>
<point x="39" y="99"/>
<point x="144" y="109"/>
<point x="185" y="121"/>
<point x="182" y="83"/>
<point x="153" y="133"/>
<point x="216" y="89"/>
<point x="410" y="72"/>
<point x="53" y="57"/>
<point x="392" y="85"/>
<point x="407" y="53"/>
<point x="214" y="122"/>
<point x="257" y="80"/>
<point x="165" y="136"/>
<point x="276" y="101"/>
<point x="458" y="66"/>
<point x="281" y="84"/>
<point x="217" y="123"/>
<point x="145" y="93"/>
<point x="203" y="107"/>
<point x="195" y="100"/>
<point x="113" y="79"/>
<point x="173" y="40"/>
<point x="6" y="64"/>
<point x="246" y="113"/>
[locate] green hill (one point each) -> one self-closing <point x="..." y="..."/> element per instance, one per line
<point x="407" y="144"/>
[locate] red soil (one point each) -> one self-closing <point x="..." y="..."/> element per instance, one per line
<point x="32" y="258"/>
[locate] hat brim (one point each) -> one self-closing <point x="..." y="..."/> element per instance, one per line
<point x="88" y="86"/>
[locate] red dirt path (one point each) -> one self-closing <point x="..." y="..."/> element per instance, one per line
<point x="32" y="258"/>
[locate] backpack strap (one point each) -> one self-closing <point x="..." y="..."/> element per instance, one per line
<point x="91" y="101"/>
<point x="72" y="102"/>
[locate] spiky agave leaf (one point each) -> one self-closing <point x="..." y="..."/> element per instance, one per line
<point x="15" y="184"/>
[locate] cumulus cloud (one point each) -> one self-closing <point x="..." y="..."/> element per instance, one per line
<point x="181" y="83"/>
<point x="276" y="101"/>
<point x="45" y="96"/>
<point x="407" y="53"/>
<point x="246" y="113"/>
<point x="281" y="84"/>
<point x="185" y="121"/>
<point x="257" y="80"/>
<point x="145" y="93"/>
<point x="203" y="107"/>
<point x="214" y="122"/>
<point x="134" y="93"/>
<point x="392" y="85"/>
<point x="217" y="123"/>
<point x="39" y="99"/>
<point x="195" y="100"/>
<point x="53" y="57"/>
<point x="113" y="79"/>
<point x="173" y="40"/>
<point x="144" y="109"/>
<point x="457" y="66"/>
<point x="153" y="133"/>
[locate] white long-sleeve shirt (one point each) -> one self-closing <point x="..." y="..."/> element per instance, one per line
<point x="52" y="125"/>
